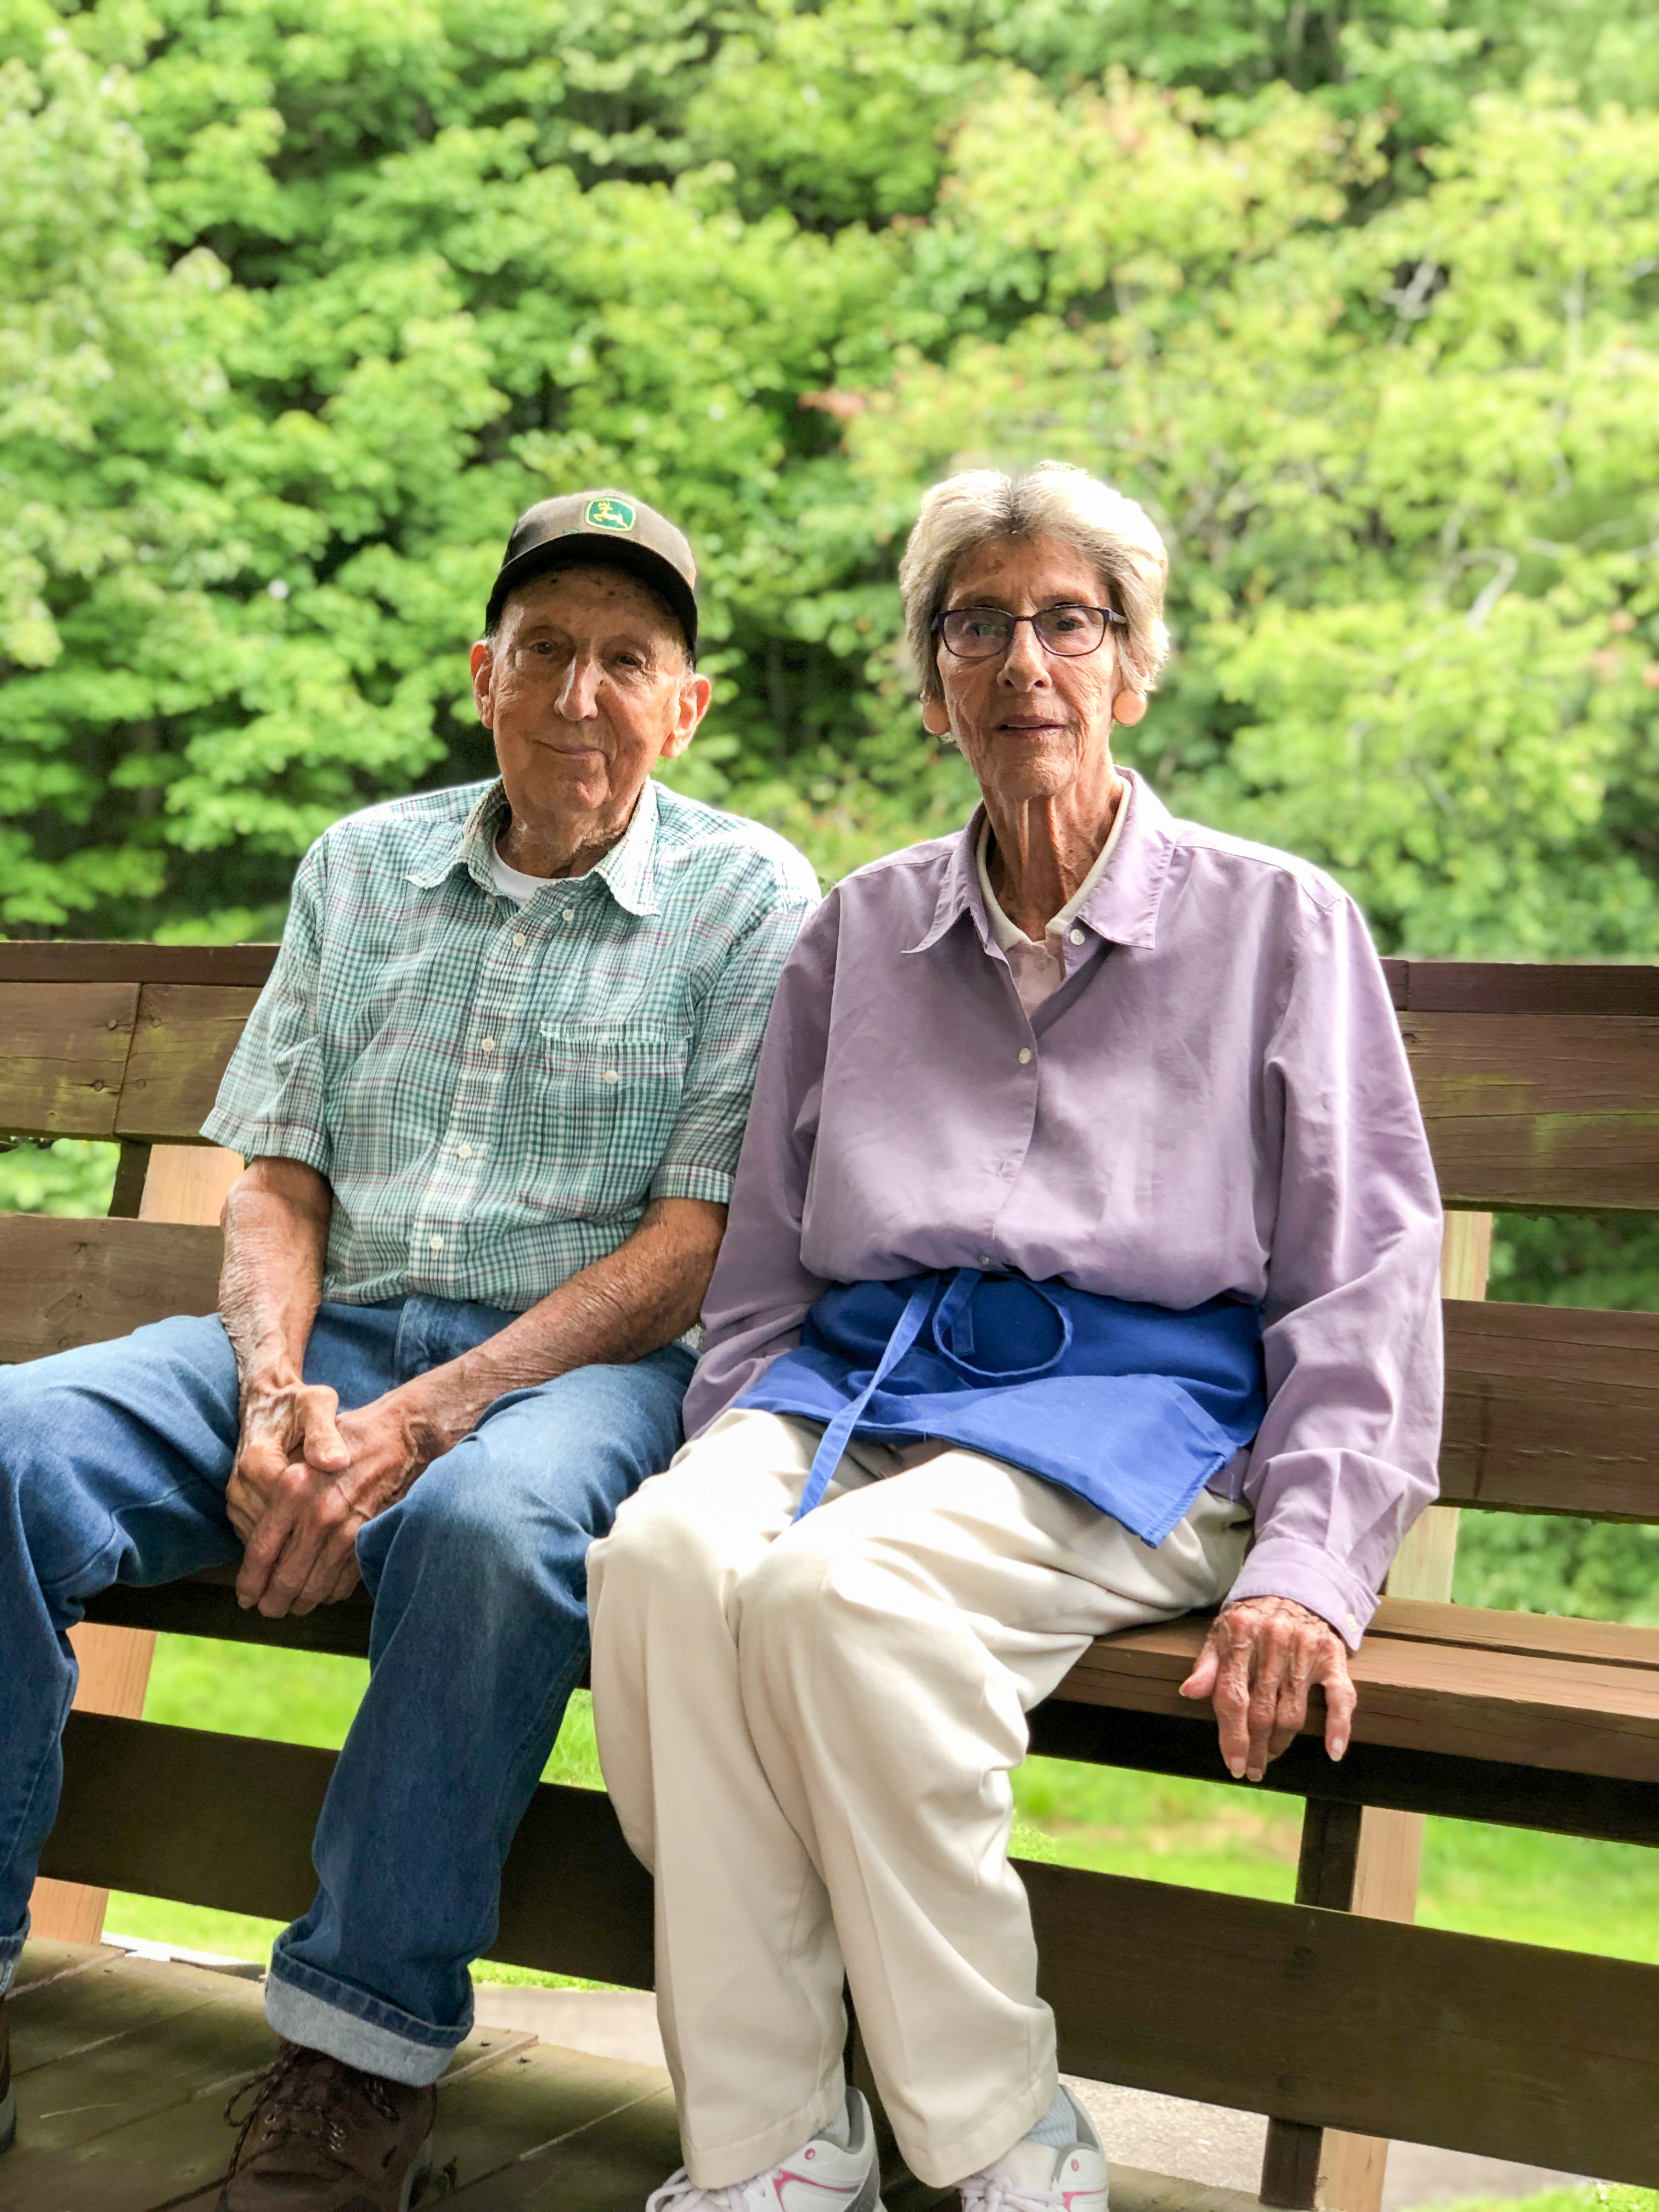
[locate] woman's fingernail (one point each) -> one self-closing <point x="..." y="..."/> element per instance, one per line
<point x="1340" y="1747"/>
<point x="1236" y="1768"/>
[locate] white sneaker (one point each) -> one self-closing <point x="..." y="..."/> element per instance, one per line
<point x="820" y="2177"/>
<point x="1035" y="2177"/>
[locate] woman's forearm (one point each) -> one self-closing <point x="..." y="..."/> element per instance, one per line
<point x="276" y="1223"/>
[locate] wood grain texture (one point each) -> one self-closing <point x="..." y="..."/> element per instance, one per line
<point x="575" y="1900"/>
<point x="184" y="1035"/>
<point x="1539" y="1110"/>
<point x="57" y="961"/>
<point x="62" y="1055"/>
<point x="1522" y="987"/>
<point x="67" y="1282"/>
<point x="1552" y="1409"/>
<point x="1335" y="2019"/>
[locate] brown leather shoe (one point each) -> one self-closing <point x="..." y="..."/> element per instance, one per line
<point x="8" y="2102"/>
<point x="320" y="2137"/>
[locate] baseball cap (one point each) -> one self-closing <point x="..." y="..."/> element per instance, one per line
<point x="609" y="526"/>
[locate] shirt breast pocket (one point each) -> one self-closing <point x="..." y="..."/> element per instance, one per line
<point x="608" y="1098"/>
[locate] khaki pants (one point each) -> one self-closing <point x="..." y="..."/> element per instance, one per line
<point x="807" y="1732"/>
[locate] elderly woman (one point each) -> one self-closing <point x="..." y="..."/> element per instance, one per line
<point x="1080" y="1271"/>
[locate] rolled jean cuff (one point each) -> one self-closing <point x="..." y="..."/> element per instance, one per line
<point x="364" y="2031"/>
<point x="11" y="1950"/>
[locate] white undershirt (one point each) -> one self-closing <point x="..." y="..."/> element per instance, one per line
<point x="1040" y="969"/>
<point x="513" y="882"/>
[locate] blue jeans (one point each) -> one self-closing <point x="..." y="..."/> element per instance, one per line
<point x="114" y="1463"/>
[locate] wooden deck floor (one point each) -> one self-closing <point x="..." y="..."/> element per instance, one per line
<point x="123" y="2066"/>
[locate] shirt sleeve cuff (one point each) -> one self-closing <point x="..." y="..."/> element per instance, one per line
<point x="267" y="1141"/>
<point x="714" y="1184"/>
<point x="1286" y="1566"/>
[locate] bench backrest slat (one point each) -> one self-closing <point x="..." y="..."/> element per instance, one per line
<point x="1555" y="1112"/>
<point x="64" y="1283"/>
<point x="1551" y="1409"/>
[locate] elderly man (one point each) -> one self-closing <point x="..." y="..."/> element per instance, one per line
<point x="491" y="1100"/>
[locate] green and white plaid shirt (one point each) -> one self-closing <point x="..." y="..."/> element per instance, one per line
<point x="496" y="1092"/>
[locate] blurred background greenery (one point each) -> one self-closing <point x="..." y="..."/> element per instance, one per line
<point x="304" y="299"/>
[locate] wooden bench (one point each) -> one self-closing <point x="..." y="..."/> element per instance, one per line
<point x="1349" y="2025"/>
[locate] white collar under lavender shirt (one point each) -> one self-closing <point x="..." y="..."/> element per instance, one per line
<point x="1215" y="1101"/>
<point x="1039" y="970"/>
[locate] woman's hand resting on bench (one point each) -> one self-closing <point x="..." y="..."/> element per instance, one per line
<point x="1259" y="1660"/>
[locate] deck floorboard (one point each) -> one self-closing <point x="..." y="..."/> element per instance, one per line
<point x="123" y="2065"/>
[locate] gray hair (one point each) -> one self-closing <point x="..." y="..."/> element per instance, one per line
<point x="1053" y="500"/>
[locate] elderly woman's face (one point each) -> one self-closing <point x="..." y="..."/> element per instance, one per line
<point x="1031" y="722"/>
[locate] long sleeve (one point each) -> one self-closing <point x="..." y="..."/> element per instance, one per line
<point x="1346" y="1458"/>
<point x="761" y="1292"/>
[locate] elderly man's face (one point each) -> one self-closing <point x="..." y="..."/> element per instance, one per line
<point x="1031" y="724"/>
<point x="586" y="687"/>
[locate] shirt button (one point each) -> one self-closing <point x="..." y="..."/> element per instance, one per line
<point x="519" y="941"/>
<point x="611" y="1075"/>
<point x="1077" y="937"/>
<point x="463" y="1151"/>
<point x="1354" y="1620"/>
<point x="1026" y="1056"/>
<point x="488" y="1045"/>
<point x="984" y="1260"/>
<point x="569" y="914"/>
<point x="436" y="1242"/>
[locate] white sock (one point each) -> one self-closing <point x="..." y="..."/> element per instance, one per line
<point x="839" y="2130"/>
<point x="1058" y="2126"/>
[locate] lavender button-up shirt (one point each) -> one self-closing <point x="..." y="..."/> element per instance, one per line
<point x="1215" y="1101"/>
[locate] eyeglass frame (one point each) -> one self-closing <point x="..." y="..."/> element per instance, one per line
<point x="1109" y="614"/>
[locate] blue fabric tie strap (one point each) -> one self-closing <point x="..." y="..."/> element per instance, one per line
<point x="839" y="1434"/>
<point x="1132" y="1408"/>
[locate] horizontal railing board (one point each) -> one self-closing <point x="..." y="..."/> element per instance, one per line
<point x="1548" y="1408"/>
<point x="1541" y="1111"/>
<point x="183" y="1039"/>
<point x="1551" y="1409"/>
<point x="1503" y="987"/>
<point x="87" y="961"/>
<point x="1426" y="1621"/>
<point x="1528" y="1709"/>
<point x="1338" y="2021"/>
<point x="226" y="1822"/>
<point x="1321" y="2016"/>
<point x="63" y="1057"/>
<point x="1400" y="1780"/>
<point x="65" y="1282"/>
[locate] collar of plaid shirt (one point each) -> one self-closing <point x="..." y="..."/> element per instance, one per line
<point x="627" y="869"/>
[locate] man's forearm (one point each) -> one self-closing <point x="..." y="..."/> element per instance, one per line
<point x="276" y="1223"/>
<point x="637" y="1298"/>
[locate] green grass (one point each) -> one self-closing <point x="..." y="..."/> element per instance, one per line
<point x="1551" y="1890"/>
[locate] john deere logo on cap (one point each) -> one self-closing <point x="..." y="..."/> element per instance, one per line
<point x="609" y="515"/>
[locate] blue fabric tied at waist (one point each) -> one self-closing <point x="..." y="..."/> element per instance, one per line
<point x="1132" y="1408"/>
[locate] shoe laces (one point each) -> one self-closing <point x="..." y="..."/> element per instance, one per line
<point x="990" y="2193"/>
<point x="304" y="2093"/>
<point x="680" y="2193"/>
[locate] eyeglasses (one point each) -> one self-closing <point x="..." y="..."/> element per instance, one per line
<point x="986" y="633"/>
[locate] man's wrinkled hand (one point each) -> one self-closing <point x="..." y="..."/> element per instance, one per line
<point x="301" y="1553"/>
<point x="282" y="1422"/>
<point x="1260" y="1660"/>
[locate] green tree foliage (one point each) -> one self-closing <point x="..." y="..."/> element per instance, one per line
<point x="305" y="301"/>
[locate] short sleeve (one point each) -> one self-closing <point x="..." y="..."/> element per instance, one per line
<point x="271" y="1102"/>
